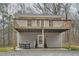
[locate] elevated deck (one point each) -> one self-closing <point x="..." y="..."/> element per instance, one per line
<point x="59" y="24"/>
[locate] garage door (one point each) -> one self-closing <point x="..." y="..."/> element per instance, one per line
<point x="53" y="39"/>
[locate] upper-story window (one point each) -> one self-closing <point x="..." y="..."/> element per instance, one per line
<point x="46" y="23"/>
<point x="50" y="23"/>
<point x="29" y="23"/>
<point x="38" y="23"/>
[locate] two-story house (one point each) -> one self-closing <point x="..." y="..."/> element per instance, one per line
<point x="40" y="31"/>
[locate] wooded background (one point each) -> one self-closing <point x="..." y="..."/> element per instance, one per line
<point x="67" y="10"/>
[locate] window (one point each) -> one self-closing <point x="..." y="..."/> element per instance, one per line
<point x="46" y="23"/>
<point x="50" y="23"/>
<point x="29" y="23"/>
<point x="38" y="22"/>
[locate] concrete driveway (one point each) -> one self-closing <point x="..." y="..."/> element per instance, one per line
<point x="40" y="52"/>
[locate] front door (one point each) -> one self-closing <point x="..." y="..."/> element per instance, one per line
<point x="40" y="41"/>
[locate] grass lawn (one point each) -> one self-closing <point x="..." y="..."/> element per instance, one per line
<point x="72" y="47"/>
<point x="6" y="49"/>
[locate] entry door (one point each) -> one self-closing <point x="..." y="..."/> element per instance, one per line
<point x="40" y="41"/>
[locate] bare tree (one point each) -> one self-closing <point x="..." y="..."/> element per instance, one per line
<point x="5" y="23"/>
<point x="49" y="8"/>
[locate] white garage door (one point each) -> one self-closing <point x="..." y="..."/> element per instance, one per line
<point x="53" y="40"/>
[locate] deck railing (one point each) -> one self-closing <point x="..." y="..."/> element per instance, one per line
<point x="55" y="25"/>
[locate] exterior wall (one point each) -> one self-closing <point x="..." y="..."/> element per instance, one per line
<point x="52" y="39"/>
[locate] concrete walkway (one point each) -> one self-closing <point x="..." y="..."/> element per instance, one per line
<point x="40" y="52"/>
<point x="42" y="49"/>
